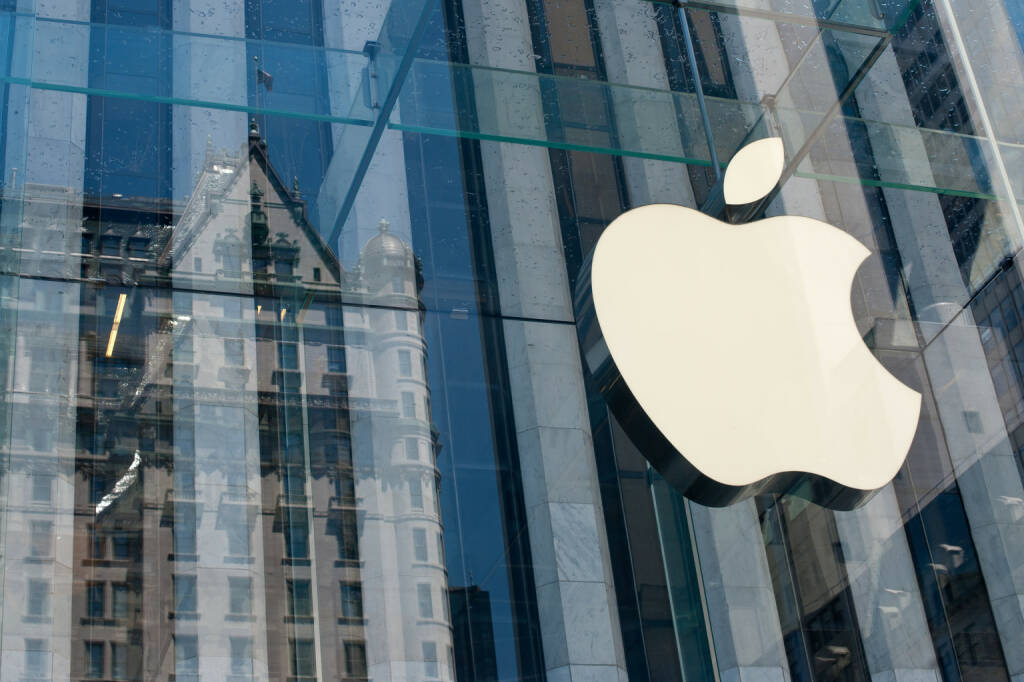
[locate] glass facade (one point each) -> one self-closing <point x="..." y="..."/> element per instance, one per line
<point x="293" y="390"/>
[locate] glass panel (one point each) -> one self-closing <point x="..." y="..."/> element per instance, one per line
<point x="292" y="389"/>
<point x="854" y="14"/>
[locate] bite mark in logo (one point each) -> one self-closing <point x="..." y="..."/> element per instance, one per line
<point x="729" y="353"/>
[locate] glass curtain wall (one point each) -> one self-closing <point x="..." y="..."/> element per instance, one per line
<point x="293" y="390"/>
<point x="245" y="452"/>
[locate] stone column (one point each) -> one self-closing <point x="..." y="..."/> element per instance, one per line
<point x="580" y="629"/>
<point x="632" y="54"/>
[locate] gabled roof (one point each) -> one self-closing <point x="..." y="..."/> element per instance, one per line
<point x="219" y="177"/>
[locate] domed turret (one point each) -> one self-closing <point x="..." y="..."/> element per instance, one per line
<point x="385" y="246"/>
<point x="387" y="265"/>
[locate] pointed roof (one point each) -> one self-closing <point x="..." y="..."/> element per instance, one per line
<point x="219" y="176"/>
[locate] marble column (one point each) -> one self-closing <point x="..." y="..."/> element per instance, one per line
<point x="575" y="592"/>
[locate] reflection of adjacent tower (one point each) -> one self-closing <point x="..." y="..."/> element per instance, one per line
<point x="404" y="579"/>
<point x="477" y="659"/>
<point x="938" y="102"/>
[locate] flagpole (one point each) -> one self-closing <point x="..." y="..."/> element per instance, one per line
<point x="259" y="103"/>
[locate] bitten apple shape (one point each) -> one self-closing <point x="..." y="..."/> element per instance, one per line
<point x="730" y="356"/>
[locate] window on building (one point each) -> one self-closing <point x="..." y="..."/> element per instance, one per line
<point x="415" y="493"/>
<point x="316" y="274"/>
<point x="118" y="661"/>
<point x="237" y="531"/>
<point x="412" y="449"/>
<point x="296" y="534"/>
<point x="419" y="544"/>
<point x="94" y="664"/>
<point x="42" y="487"/>
<point x="232" y="263"/>
<point x="232" y="307"/>
<point x="98" y="544"/>
<point x="44" y="375"/>
<point x="355" y="659"/>
<point x="138" y="247"/>
<point x="96" y="597"/>
<point x="184" y="349"/>
<point x="197" y="264"/>
<point x="440" y="549"/>
<point x="405" y="363"/>
<point x="300" y="598"/>
<point x="37" y="664"/>
<point x="185" y="530"/>
<point x="124" y="544"/>
<point x="240" y="595"/>
<point x="234" y="352"/>
<point x="97" y="486"/>
<point x="351" y="600"/>
<point x="38" y="598"/>
<point x="401" y="320"/>
<point x="303" y="658"/>
<point x="288" y="355"/>
<point x="186" y="657"/>
<point x="41" y="542"/>
<point x="110" y="245"/>
<point x="284" y="267"/>
<point x="425" y="601"/>
<point x="241" y="655"/>
<point x="121" y="600"/>
<point x="408" y="405"/>
<point x="336" y="360"/>
<point x="295" y="484"/>
<point x="348" y="538"/>
<point x="430" y="659"/>
<point x="185" y="599"/>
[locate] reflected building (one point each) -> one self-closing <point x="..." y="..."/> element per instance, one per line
<point x="471" y="622"/>
<point x="224" y="526"/>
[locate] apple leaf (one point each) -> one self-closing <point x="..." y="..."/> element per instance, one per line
<point x="754" y="171"/>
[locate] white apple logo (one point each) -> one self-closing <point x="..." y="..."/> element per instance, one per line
<point x="730" y="355"/>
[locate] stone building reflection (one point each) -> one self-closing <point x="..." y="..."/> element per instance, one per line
<point x="255" y="489"/>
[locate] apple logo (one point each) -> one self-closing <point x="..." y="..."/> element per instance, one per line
<point x="729" y="353"/>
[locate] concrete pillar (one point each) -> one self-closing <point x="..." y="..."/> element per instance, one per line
<point x="632" y="54"/>
<point x="740" y="598"/>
